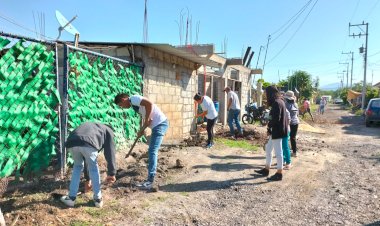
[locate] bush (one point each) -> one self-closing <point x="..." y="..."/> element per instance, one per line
<point x="359" y="112"/>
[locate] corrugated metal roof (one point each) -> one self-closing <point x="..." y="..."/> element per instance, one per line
<point x="185" y="54"/>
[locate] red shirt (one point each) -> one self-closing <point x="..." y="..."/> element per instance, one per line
<point x="306" y="104"/>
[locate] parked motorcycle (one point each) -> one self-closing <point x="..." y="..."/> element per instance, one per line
<point x="254" y="113"/>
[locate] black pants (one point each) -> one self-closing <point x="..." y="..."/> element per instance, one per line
<point x="293" y="134"/>
<point x="309" y="111"/>
<point x="210" y="130"/>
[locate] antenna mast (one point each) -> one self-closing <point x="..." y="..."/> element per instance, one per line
<point x="145" y="26"/>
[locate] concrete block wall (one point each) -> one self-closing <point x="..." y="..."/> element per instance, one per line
<point x="245" y="88"/>
<point x="172" y="90"/>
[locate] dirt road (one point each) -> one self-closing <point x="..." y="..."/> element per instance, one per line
<point x="334" y="181"/>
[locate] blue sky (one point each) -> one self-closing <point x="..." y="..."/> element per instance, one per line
<point x="313" y="42"/>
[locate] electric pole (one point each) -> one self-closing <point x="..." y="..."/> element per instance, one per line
<point x="365" y="54"/>
<point x="352" y="65"/>
<point x="341" y="79"/>
<point x="346" y="72"/>
<point x="265" y="58"/>
<point x="258" y="58"/>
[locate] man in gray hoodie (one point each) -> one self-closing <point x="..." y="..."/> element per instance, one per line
<point x="85" y="142"/>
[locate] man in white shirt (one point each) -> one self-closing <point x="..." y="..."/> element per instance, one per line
<point x="211" y="115"/>
<point x="233" y="107"/>
<point x="152" y="117"/>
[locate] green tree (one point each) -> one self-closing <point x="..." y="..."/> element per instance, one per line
<point x="316" y="83"/>
<point x="371" y="92"/>
<point x="265" y="84"/>
<point x="342" y="93"/>
<point x="301" y="80"/>
<point x="283" y="85"/>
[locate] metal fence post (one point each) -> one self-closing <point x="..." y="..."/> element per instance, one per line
<point x="63" y="125"/>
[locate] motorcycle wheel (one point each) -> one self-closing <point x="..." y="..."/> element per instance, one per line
<point x="246" y="119"/>
<point x="263" y="121"/>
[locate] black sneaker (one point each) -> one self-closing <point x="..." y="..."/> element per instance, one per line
<point x="263" y="171"/>
<point x="98" y="202"/>
<point x="275" y="177"/>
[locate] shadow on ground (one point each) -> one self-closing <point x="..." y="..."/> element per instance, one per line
<point x="208" y="185"/>
<point x="226" y="167"/>
<point x="355" y="125"/>
<point x="236" y="157"/>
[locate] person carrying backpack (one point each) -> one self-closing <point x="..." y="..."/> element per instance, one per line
<point x="291" y="105"/>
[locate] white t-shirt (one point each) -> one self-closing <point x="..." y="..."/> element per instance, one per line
<point x="208" y="105"/>
<point x="157" y="115"/>
<point x="235" y="105"/>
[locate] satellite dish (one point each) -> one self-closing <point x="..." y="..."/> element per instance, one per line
<point x="65" y="24"/>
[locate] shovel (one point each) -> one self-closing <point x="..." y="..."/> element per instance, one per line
<point x="134" y="143"/>
<point x="196" y="133"/>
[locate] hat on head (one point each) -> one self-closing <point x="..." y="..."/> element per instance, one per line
<point x="289" y="95"/>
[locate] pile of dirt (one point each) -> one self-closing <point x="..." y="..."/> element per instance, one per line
<point x="33" y="203"/>
<point x="195" y="140"/>
<point x="254" y="134"/>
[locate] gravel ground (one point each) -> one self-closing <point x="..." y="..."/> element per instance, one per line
<point x="333" y="181"/>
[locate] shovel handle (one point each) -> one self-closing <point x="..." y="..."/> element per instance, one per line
<point x="134" y="143"/>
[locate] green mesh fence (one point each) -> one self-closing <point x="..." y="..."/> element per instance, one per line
<point x="93" y="82"/>
<point x="29" y="104"/>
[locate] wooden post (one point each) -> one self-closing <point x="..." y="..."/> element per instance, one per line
<point x="76" y="39"/>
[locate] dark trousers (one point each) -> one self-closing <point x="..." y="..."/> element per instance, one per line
<point x="210" y="130"/>
<point x="293" y="134"/>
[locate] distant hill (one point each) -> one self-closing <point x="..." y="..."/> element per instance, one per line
<point x="332" y="86"/>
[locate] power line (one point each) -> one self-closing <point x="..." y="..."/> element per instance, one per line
<point x="372" y="8"/>
<point x="299" y="27"/>
<point x="374" y="54"/>
<point x="23" y="27"/>
<point x="292" y="20"/>
<point x="356" y="8"/>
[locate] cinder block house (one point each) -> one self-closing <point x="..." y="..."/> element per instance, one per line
<point x="173" y="75"/>
<point x="170" y="78"/>
<point x="213" y="80"/>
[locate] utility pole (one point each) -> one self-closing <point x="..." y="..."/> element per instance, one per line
<point x="365" y="54"/>
<point x="346" y="72"/>
<point x="341" y="78"/>
<point x="258" y="58"/>
<point x="265" y="58"/>
<point x="352" y="65"/>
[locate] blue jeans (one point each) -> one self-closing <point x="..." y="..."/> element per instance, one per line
<point x="90" y="155"/>
<point x="158" y="133"/>
<point x="233" y="115"/>
<point x="286" y="149"/>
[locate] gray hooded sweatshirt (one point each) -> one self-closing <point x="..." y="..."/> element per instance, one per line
<point x="98" y="136"/>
